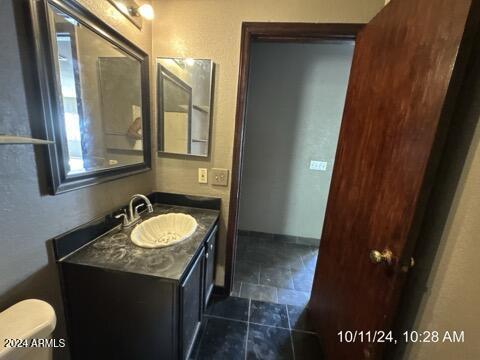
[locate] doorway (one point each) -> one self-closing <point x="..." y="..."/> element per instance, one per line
<point x="288" y="118"/>
<point x="402" y="93"/>
<point x="294" y="109"/>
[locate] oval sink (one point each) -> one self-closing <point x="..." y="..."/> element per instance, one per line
<point x="163" y="230"/>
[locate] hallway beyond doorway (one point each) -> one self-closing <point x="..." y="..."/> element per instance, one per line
<point x="276" y="271"/>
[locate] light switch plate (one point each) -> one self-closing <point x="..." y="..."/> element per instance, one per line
<point x="202" y="175"/>
<point x="318" y="165"/>
<point x="220" y="177"/>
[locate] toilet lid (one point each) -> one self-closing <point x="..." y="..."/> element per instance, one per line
<point x="25" y="320"/>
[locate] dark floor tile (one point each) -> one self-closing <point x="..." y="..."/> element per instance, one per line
<point x="246" y="271"/>
<point x="303" y="281"/>
<point x="221" y="339"/>
<point x="241" y="248"/>
<point x="228" y="307"/>
<point x="241" y="255"/>
<point x="299" y="249"/>
<point x="293" y="297"/>
<point x="294" y="263"/>
<point x="275" y="276"/>
<point x="259" y="292"/>
<point x="261" y="235"/>
<point x="306" y="346"/>
<point x="268" y="314"/>
<point x="274" y="260"/>
<point x="299" y="318"/>
<point x="255" y="255"/>
<point x="268" y="343"/>
<point x="310" y="261"/>
<point x="287" y="256"/>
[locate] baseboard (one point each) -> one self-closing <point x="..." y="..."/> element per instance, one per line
<point x="280" y="237"/>
<point x="220" y="291"/>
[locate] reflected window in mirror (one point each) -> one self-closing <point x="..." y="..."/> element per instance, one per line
<point x="95" y="82"/>
<point x="184" y="100"/>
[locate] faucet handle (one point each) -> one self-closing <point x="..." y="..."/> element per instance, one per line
<point x="136" y="210"/>
<point x="150" y="208"/>
<point x="125" y="218"/>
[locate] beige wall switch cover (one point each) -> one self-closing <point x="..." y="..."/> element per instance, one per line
<point x="219" y="177"/>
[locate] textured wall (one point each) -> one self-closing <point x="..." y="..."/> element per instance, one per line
<point x="295" y="106"/>
<point x="28" y="217"/>
<point x="211" y="29"/>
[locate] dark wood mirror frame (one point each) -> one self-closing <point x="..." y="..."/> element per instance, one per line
<point x="51" y="110"/>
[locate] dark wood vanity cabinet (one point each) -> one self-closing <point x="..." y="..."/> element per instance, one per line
<point x="195" y="291"/>
<point x="114" y="314"/>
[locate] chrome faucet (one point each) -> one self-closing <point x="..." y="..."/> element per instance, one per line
<point x="133" y="216"/>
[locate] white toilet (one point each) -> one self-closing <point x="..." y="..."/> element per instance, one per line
<point x="27" y="320"/>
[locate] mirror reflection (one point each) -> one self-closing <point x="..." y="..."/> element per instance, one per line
<point x="184" y="99"/>
<point x="101" y="95"/>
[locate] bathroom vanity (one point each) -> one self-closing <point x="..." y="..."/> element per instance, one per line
<point x="127" y="302"/>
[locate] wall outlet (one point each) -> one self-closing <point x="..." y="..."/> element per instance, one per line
<point x="202" y="175"/>
<point x="220" y="177"/>
<point x="318" y="165"/>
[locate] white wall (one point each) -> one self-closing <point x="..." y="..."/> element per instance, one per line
<point x="295" y="105"/>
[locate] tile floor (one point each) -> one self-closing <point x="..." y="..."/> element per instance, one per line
<point x="270" y="270"/>
<point x="239" y="328"/>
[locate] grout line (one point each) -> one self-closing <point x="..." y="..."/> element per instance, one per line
<point x="248" y="328"/>
<point x="288" y="318"/>
<point x="259" y="271"/>
<point x="283" y="328"/>
<point x="225" y="318"/>
<point x="291" y="276"/>
<point x="304" y="331"/>
<point x="254" y="323"/>
<point x="303" y="262"/>
<point x="290" y="332"/>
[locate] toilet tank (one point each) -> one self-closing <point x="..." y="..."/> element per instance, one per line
<point x="28" y="322"/>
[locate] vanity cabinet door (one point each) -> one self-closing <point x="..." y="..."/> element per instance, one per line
<point x="210" y="265"/>
<point x="191" y="302"/>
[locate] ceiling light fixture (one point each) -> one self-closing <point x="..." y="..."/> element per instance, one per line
<point x="134" y="12"/>
<point x="146" y="11"/>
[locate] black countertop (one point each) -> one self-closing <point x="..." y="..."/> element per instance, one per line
<point x="115" y="251"/>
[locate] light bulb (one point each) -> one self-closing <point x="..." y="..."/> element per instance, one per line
<point x="122" y="7"/>
<point x="146" y="10"/>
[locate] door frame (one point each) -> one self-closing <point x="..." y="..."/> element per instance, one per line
<point x="271" y="32"/>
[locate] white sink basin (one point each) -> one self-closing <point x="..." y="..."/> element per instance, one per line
<point x="163" y="230"/>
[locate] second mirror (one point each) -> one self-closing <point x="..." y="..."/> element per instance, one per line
<point x="184" y="99"/>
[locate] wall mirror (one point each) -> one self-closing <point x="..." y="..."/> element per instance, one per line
<point x="95" y="95"/>
<point x="184" y="101"/>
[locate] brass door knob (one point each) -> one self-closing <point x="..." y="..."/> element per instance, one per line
<point x="378" y="257"/>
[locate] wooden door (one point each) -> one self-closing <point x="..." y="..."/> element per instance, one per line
<point x="405" y="73"/>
